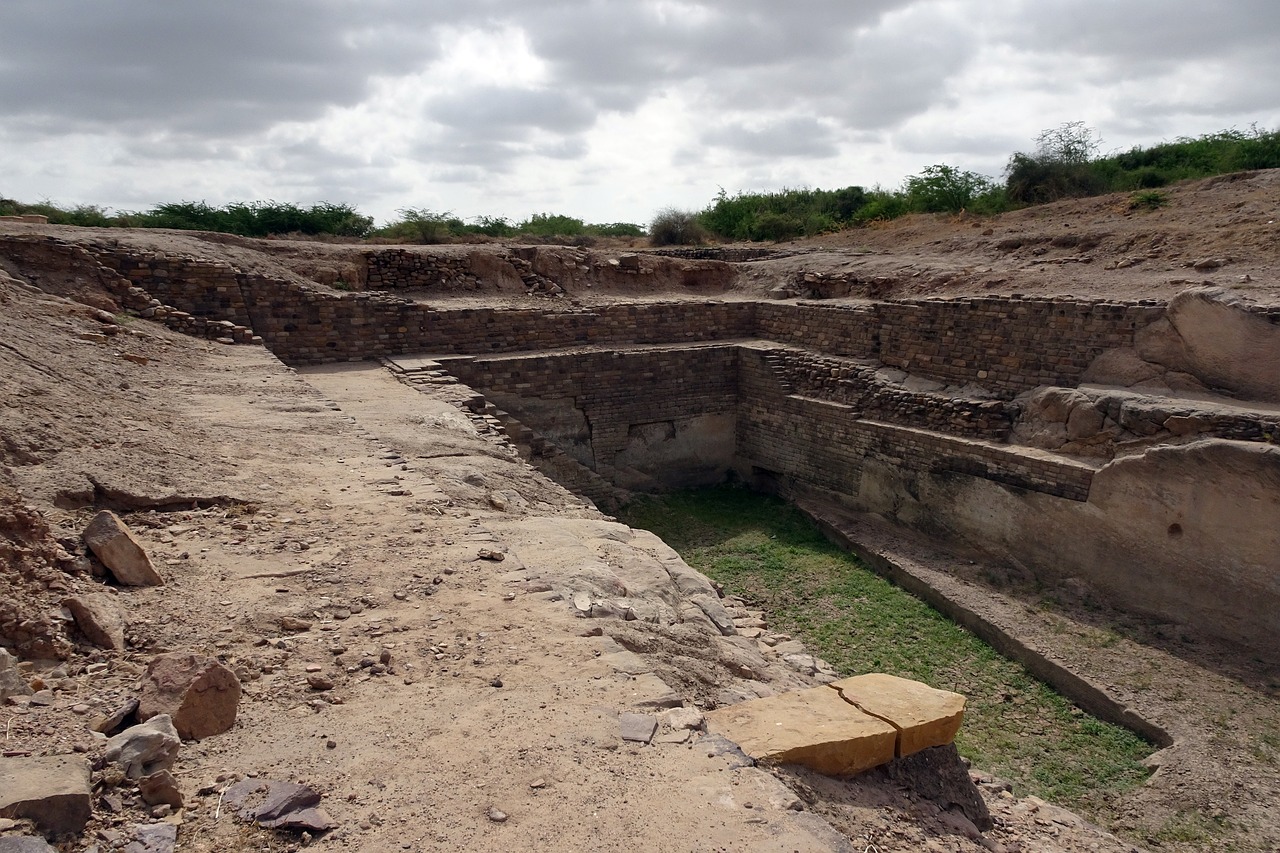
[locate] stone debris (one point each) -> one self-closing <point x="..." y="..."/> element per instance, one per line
<point x="638" y="728"/>
<point x="153" y="838"/>
<point x="279" y="805"/>
<point x="491" y="554"/>
<point x="99" y="618"/>
<point x="684" y="718"/>
<point x="113" y="544"/>
<point x="160" y="787"/>
<point x="146" y="748"/>
<point x="814" y="727"/>
<point x="51" y="791"/>
<point x="199" y="693"/>
<point x="497" y="815"/>
<point x="938" y="774"/>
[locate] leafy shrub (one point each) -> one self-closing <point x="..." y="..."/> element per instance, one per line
<point x="882" y="206"/>
<point x="672" y="227"/>
<point x="788" y="213"/>
<point x="945" y="189"/>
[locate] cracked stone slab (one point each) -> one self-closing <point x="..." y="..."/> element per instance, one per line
<point x="924" y="716"/>
<point x="815" y="728"/>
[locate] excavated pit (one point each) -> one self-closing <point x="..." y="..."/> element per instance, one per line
<point x="1122" y="449"/>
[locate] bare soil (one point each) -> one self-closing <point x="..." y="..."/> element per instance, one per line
<point x="342" y="498"/>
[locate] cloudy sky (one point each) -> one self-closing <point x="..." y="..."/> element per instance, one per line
<point x="603" y="109"/>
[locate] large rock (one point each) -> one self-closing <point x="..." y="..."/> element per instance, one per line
<point x="51" y="791"/>
<point x="200" y="694"/>
<point x="923" y="715"/>
<point x="109" y="539"/>
<point x="145" y="749"/>
<point x="24" y="844"/>
<point x="1215" y="336"/>
<point x="11" y="681"/>
<point x="99" y="618"/>
<point x="815" y="728"/>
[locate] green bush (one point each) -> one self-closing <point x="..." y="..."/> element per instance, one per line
<point x="672" y="227"/>
<point x="782" y="215"/>
<point x="945" y="189"/>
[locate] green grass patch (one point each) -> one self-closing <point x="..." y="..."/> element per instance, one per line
<point x="765" y="550"/>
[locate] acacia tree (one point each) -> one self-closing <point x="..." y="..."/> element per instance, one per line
<point x="945" y="189"/>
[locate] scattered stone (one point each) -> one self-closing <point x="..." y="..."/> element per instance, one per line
<point x="638" y="728"/>
<point x="153" y="838"/>
<point x="294" y="625"/>
<point x="51" y="791"/>
<point x="43" y="698"/>
<point x="491" y="554"/>
<point x="279" y="805"/>
<point x="99" y="618"/>
<point x="160" y="787"/>
<point x="199" y="693"/>
<point x="684" y="718"/>
<point x="495" y="682"/>
<point x="538" y="784"/>
<point x="497" y="815"/>
<point x="146" y="748"/>
<point x="113" y="544"/>
<point x="319" y="681"/>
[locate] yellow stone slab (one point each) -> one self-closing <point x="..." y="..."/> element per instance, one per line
<point x="924" y="716"/>
<point x="815" y="728"/>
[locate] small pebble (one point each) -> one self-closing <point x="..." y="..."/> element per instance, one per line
<point x="497" y="815"/>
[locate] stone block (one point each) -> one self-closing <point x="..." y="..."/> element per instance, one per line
<point x="924" y="716"/>
<point x="815" y="728"/>
<point x="99" y="618"/>
<point x="109" y="539"/>
<point x="201" y="694"/>
<point x="52" y="791"/>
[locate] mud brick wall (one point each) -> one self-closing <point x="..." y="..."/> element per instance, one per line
<point x="825" y="444"/>
<point x="1002" y="343"/>
<point x="391" y="269"/>
<point x="840" y="381"/>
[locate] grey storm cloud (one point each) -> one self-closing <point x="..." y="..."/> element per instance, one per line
<point x="226" y="68"/>
<point x="789" y="137"/>
<point x="506" y="113"/>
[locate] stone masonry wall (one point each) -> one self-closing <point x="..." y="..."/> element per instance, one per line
<point x="857" y="385"/>
<point x="613" y="391"/>
<point x="1002" y="343"/>
<point x="825" y="444"/>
